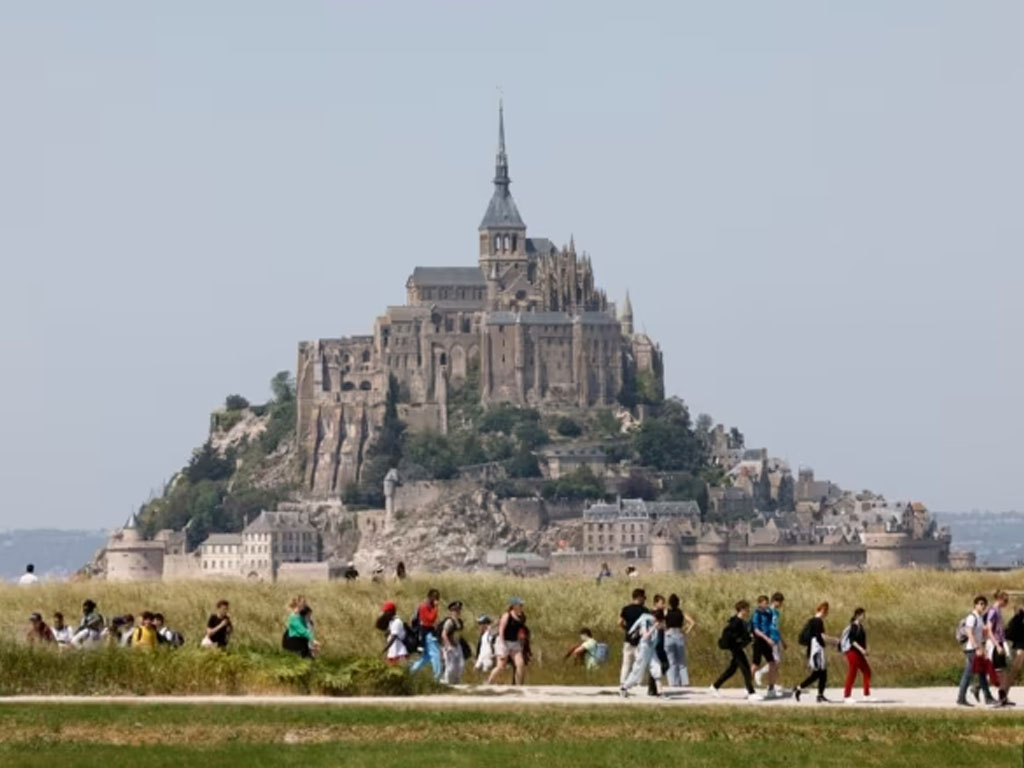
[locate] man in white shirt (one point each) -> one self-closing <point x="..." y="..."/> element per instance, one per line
<point x="974" y="653"/>
<point x="28" y="578"/>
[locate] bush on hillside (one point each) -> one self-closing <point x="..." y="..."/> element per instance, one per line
<point x="235" y="403"/>
<point x="567" y="427"/>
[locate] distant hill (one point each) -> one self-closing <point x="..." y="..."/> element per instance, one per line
<point x="997" y="538"/>
<point x="55" y="554"/>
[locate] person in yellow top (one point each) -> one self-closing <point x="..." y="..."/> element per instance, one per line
<point x="144" y="635"/>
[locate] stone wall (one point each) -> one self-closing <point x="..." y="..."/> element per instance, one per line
<point x="181" y="567"/>
<point x="590" y="564"/>
<point x="303" y="572"/>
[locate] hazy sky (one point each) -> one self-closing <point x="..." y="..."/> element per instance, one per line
<point x="817" y="208"/>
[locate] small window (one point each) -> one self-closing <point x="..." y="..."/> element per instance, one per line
<point x="366" y="355"/>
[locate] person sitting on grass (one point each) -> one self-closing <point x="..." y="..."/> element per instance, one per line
<point x="112" y="637"/>
<point x="165" y="635"/>
<point x="38" y="631"/>
<point x="125" y="629"/>
<point x="62" y="633"/>
<point x="144" y="636"/>
<point x="586" y="651"/>
<point x="218" y="627"/>
<point x="89" y="628"/>
<point x="298" y="636"/>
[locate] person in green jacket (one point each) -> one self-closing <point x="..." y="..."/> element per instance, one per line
<point x="299" y="636"/>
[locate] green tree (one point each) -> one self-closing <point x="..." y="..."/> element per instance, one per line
<point x="523" y="464"/>
<point x="567" y="427"/>
<point x="605" y="423"/>
<point x="666" y="442"/>
<point x="637" y="486"/>
<point x="431" y="452"/>
<point x="207" y="464"/>
<point x="235" y="403"/>
<point x="531" y="434"/>
<point x="787" y="493"/>
<point x="579" y="484"/>
<point x="283" y="386"/>
<point x="736" y="439"/>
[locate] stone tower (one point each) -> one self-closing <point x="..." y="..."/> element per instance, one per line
<point x="626" y="317"/>
<point x="502" y="231"/>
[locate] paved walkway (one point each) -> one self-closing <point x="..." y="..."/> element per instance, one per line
<point x="488" y="696"/>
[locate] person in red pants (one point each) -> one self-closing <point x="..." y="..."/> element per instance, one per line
<point x="854" y="645"/>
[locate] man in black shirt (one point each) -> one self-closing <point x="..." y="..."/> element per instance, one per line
<point x="735" y="637"/>
<point x="218" y="627"/>
<point x="627" y="618"/>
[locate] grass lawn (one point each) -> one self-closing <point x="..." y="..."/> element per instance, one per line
<point x="73" y="735"/>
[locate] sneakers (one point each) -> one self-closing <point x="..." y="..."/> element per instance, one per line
<point x="623" y="693"/>
<point x="759" y="678"/>
<point x="714" y="692"/>
<point x="963" y="703"/>
<point x="755" y="697"/>
<point x="976" y="693"/>
<point x="849" y="700"/>
<point x="797" y="693"/>
<point x="773" y="693"/>
<point x="822" y="700"/>
<point x="866" y="699"/>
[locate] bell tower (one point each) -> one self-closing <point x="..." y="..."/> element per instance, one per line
<point x="502" y="231"/>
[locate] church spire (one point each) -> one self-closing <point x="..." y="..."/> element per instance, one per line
<point x="502" y="211"/>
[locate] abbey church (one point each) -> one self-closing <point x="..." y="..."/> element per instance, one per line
<point x="527" y="325"/>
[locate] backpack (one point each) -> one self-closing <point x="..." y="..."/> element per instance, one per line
<point x="844" y="640"/>
<point x="962" y="632"/>
<point x="601" y="653"/>
<point x="725" y="640"/>
<point x="173" y="638"/>
<point x="805" y="634"/>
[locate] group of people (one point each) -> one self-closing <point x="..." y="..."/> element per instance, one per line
<point x="993" y="651"/>
<point x="441" y="642"/>
<point x="94" y="631"/>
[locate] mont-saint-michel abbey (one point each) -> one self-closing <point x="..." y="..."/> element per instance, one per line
<point x="525" y="330"/>
<point x="528" y="314"/>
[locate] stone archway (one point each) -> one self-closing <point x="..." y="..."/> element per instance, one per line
<point x="458" y="363"/>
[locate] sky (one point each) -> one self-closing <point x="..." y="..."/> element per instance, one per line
<point x="816" y="208"/>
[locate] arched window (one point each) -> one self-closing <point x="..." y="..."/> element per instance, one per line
<point x="365" y="386"/>
<point x="366" y="355"/>
<point x="497" y="242"/>
<point x="347" y="386"/>
<point x="506" y="242"/>
<point x="514" y="241"/>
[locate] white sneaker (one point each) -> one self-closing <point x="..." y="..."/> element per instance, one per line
<point x="714" y="692"/>
<point x="848" y="700"/>
<point x="759" y="678"/>
<point x="755" y="697"/>
<point x="623" y="693"/>
<point x="866" y="699"/>
<point x="772" y="693"/>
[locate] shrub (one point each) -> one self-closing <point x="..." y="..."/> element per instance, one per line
<point x="235" y="403"/>
<point x="568" y="427"/>
<point x="580" y="484"/>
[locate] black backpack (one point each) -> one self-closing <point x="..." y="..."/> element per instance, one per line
<point x="805" y="634"/>
<point x="725" y="640"/>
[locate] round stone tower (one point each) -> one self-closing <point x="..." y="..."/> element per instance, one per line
<point x="664" y="549"/>
<point x="886" y="551"/>
<point x="711" y="552"/>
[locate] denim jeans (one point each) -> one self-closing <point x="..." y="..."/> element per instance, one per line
<point x="646" y="661"/>
<point x="431" y="653"/>
<point x="965" y="678"/>
<point x="675" y="649"/>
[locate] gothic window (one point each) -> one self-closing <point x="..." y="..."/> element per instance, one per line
<point x="497" y="242"/>
<point x="506" y="243"/>
<point x="366" y="355"/>
<point x="444" y="359"/>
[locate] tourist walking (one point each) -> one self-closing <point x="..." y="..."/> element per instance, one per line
<point x="853" y="643"/>
<point x="299" y="636"/>
<point x="218" y="627"/>
<point x="648" y="628"/>
<point x="627" y="620"/>
<point x="90" y="627"/>
<point x="763" y="647"/>
<point x="424" y="624"/>
<point x="678" y="624"/>
<point x="814" y="637"/>
<point x="771" y="668"/>
<point x="450" y="635"/>
<point x="1015" y="640"/>
<point x="393" y="628"/>
<point x="513" y="643"/>
<point x="735" y="638"/>
<point x="971" y="636"/>
<point x="995" y="646"/>
<point x="28" y="578"/>
<point x="485" y="645"/>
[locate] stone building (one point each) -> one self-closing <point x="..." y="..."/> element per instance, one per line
<point x="625" y="526"/>
<point x="130" y="557"/>
<point x="220" y="555"/>
<point x="276" y="538"/>
<point x="526" y="324"/>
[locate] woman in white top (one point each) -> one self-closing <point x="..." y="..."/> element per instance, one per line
<point x="394" y="630"/>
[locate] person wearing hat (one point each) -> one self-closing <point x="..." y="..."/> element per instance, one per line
<point x="513" y="637"/>
<point x="38" y="631"/>
<point x="485" y="645"/>
<point x="395" y="650"/>
<point x="450" y="634"/>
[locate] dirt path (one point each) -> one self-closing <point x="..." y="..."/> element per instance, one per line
<point x="482" y="697"/>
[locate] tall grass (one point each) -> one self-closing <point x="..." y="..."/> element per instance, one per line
<point x="910" y="622"/>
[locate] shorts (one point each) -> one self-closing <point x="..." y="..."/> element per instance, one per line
<point x="763" y="650"/>
<point x="512" y="648"/>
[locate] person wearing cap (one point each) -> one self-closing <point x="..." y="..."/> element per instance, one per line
<point x="485" y="645"/>
<point x="395" y="650"/>
<point x="38" y="631"/>
<point x="450" y="633"/>
<point x="90" y="627"/>
<point x="426" y="618"/>
<point x="511" y="646"/>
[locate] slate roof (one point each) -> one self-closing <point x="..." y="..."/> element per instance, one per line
<point x="540" y="246"/>
<point x="501" y="211"/>
<point x="270" y="522"/>
<point x="223" y="538"/>
<point x="443" y="276"/>
<point x="550" y="318"/>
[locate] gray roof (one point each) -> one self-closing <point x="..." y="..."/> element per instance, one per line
<point x="634" y="509"/>
<point x="443" y="276"/>
<point x="271" y="522"/>
<point x="574" y="450"/>
<point x="223" y="538"/>
<point x="540" y="245"/>
<point x="501" y="211"/>
<point x="550" y="318"/>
